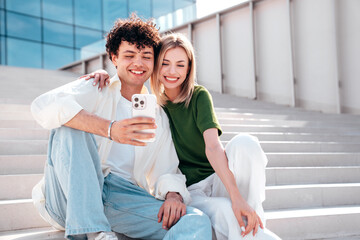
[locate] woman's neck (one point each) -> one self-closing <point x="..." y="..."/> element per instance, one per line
<point x="172" y="93"/>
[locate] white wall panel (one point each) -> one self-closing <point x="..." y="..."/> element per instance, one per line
<point x="349" y="54"/>
<point x="273" y="55"/>
<point x="205" y="40"/>
<point x="315" y="54"/>
<point x="238" y="60"/>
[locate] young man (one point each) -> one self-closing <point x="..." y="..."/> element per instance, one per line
<point x="143" y="192"/>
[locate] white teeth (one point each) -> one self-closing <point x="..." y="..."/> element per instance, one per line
<point x="137" y="72"/>
<point x="171" y="79"/>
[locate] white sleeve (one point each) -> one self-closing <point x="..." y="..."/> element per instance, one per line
<point x="56" y="107"/>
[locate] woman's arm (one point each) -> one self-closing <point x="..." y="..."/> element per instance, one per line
<point x="218" y="160"/>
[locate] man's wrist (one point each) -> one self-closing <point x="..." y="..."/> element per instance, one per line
<point x="174" y="195"/>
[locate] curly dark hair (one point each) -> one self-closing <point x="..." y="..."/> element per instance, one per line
<point x="135" y="31"/>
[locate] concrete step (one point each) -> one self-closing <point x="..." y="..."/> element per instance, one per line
<point x="288" y="123"/>
<point x="23" y="124"/>
<point x="33" y="234"/>
<point x="316" y="159"/>
<point x="23" y="147"/>
<point x="22" y="164"/>
<point x="15" y="115"/>
<point x="17" y="186"/>
<point x="311" y="175"/>
<point x="303" y="137"/>
<point x="26" y="217"/>
<point x="315" y="223"/>
<point x="24" y="134"/>
<point x="11" y="107"/>
<point x="245" y="128"/>
<point x="311" y="196"/>
<point x="302" y="116"/>
<point x="41" y="234"/>
<point x="287" y="146"/>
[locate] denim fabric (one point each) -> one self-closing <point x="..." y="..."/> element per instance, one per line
<point x="75" y="193"/>
<point x="74" y="182"/>
<point x="133" y="211"/>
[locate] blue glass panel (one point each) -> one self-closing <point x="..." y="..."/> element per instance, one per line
<point x="183" y="3"/>
<point x="114" y="9"/>
<point x="58" y="33"/>
<point x="77" y="55"/>
<point x="141" y="7"/>
<point x="31" y="7"/>
<point x="88" y="14"/>
<point x="162" y="7"/>
<point x="23" y="53"/>
<point x="2" y="3"/>
<point x="56" y="57"/>
<point x="2" y="22"/>
<point x="2" y="50"/>
<point x="85" y="37"/>
<point x="58" y="10"/>
<point x="23" y="26"/>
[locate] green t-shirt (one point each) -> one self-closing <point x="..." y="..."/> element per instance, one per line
<point x="187" y="127"/>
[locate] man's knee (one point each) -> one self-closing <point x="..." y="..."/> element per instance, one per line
<point x="196" y="221"/>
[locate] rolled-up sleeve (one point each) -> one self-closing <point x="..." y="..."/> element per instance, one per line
<point x="58" y="106"/>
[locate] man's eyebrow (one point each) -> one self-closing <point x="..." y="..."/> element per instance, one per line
<point x="148" y="52"/>
<point x="129" y="51"/>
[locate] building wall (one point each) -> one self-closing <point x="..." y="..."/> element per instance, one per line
<point x="50" y="34"/>
<point x="301" y="53"/>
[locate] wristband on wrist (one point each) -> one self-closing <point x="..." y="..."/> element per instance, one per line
<point x="109" y="129"/>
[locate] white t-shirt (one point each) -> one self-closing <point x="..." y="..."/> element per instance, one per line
<point x="121" y="157"/>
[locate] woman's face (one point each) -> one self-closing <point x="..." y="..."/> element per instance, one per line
<point x="174" y="68"/>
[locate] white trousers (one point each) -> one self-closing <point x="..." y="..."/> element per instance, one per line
<point x="247" y="162"/>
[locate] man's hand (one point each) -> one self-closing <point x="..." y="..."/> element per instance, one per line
<point x="172" y="210"/>
<point x="242" y="209"/>
<point x="127" y="131"/>
<point x="100" y="76"/>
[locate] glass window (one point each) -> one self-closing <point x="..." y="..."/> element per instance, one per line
<point x="88" y="14"/>
<point x="2" y="3"/>
<point x="23" y="26"/>
<point x="23" y="53"/>
<point x="114" y="9"/>
<point x="31" y="7"/>
<point x="85" y="37"/>
<point x="58" y="10"/>
<point x="58" y="33"/>
<point x="2" y="50"/>
<point x="56" y="57"/>
<point x="2" y="22"/>
<point x="162" y="7"/>
<point x="183" y="3"/>
<point x="141" y="7"/>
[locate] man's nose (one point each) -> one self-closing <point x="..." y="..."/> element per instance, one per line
<point x="138" y="61"/>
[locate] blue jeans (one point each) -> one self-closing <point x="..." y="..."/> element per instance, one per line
<point x="76" y="195"/>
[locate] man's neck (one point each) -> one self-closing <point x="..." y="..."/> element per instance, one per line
<point x="128" y="91"/>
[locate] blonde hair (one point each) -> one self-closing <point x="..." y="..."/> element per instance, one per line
<point x="171" y="41"/>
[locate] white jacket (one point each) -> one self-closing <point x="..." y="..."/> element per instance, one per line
<point x="156" y="165"/>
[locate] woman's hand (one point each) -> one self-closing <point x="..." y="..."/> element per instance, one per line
<point x="172" y="210"/>
<point x="101" y="77"/>
<point x="242" y="209"/>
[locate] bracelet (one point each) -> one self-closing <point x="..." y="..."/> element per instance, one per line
<point x="109" y="129"/>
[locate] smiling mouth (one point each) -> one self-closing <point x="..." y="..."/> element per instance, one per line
<point x="171" y="79"/>
<point x="137" y="72"/>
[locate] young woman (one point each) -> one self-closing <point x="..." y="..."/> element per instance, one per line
<point x="227" y="184"/>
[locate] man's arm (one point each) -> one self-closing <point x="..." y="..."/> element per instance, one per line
<point x="124" y="131"/>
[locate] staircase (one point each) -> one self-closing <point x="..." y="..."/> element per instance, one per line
<point x="313" y="174"/>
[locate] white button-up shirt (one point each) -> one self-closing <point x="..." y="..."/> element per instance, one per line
<point x="156" y="165"/>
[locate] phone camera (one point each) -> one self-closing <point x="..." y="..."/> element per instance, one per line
<point x="136" y="99"/>
<point x="136" y="105"/>
<point x="142" y="102"/>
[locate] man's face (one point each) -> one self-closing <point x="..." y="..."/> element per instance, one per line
<point x="134" y="65"/>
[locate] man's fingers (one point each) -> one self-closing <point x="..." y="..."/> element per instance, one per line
<point x="160" y="214"/>
<point x="166" y="218"/>
<point x="138" y="120"/>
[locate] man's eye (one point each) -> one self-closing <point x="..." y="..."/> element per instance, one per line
<point x="148" y="58"/>
<point x="129" y="56"/>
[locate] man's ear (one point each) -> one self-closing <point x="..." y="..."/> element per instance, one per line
<point x="114" y="59"/>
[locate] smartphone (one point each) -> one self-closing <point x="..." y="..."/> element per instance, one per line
<point x="144" y="105"/>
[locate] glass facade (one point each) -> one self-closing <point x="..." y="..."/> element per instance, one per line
<point x="50" y="34"/>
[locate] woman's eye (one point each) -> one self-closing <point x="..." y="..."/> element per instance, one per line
<point x="165" y="64"/>
<point x="181" y="66"/>
<point x="129" y="56"/>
